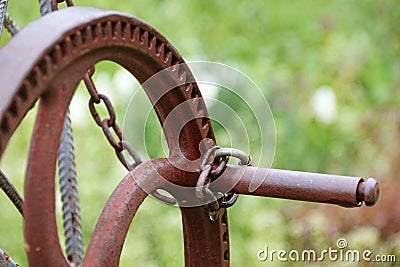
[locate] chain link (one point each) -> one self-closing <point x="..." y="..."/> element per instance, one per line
<point x="109" y="124"/>
<point x="110" y="109"/>
<point x="120" y="144"/>
<point x="217" y="157"/>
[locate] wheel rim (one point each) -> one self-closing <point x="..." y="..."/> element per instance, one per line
<point x="75" y="39"/>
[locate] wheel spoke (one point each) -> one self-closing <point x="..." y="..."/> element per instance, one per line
<point x="109" y="235"/>
<point x="11" y="192"/>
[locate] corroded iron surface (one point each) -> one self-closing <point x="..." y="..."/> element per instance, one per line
<point x="75" y="39"/>
<point x="66" y="44"/>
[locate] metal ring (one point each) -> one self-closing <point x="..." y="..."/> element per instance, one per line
<point x="110" y="109"/>
<point x="242" y="156"/>
<point x="209" y="157"/>
<point x="212" y="209"/>
<point x="166" y="199"/>
<point x="106" y="129"/>
<point x="220" y="168"/>
<point x="244" y="159"/>
<point x="206" y="157"/>
<point x="91" y="71"/>
<point x="201" y="182"/>
<point x="230" y="199"/>
<point x="128" y="147"/>
<point x="202" y="186"/>
<point x="87" y="78"/>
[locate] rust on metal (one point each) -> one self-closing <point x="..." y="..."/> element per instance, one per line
<point x="67" y="44"/>
<point x="314" y="187"/>
<point x="75" y="39"/>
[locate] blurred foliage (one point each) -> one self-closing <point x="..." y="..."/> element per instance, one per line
<point x="289" y="49"/>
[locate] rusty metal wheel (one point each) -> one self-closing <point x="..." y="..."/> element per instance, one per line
<point x="46" y="61"/>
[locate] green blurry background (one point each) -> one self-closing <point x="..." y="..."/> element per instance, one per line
<point x="290" y="49"/>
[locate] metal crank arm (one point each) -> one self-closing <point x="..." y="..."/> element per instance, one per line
<point x="345" y="191"/>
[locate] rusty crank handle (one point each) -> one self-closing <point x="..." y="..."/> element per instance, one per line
<point x="345" y="191"/>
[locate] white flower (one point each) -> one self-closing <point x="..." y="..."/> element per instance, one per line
<point x="323" y="103"/>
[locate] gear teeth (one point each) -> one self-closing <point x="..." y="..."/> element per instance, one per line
<point x="205" y="128"/>
<point x="177" y="72"/>
<point x="66" y="46"/>
<point x="14" y="106"/>
<point x="189" y="89"/>
<point x="23" y="92"/>
<point x="77" y="40"/>
<point x="4" y="126"/>
<point x="202" y="121"/>
<point x="108" y="30"/>
<point x="45" y="65"/>
<point x="175" y="62"/>
<point x="168" y="58"/>
<point x="205" y="124"/>
<point x="160" y="49"/>
<point x="136" y="34"/>
<point x="37" y="77"/>
<point x="98" y="31"/>
<point x="152" y="43"/>
<point x="88" y="35"/>
<point x="57" y="55"/>
<point x="194" y="103"/>
<point x="116" y="29"/>
<point x="126" y="31"/>
<point x="200" y="111"/>
<point x="225" y="234"/>
<point x="182" y="76"/>
<point x="144" y="38"/>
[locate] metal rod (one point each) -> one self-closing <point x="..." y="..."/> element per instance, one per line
<point x="6" y="261"/>
<point x="3" y="10"/>
<point x="69" y="195"/>
<point x="314" y="187"/>
<point x="11" y="192"/>
<point x="10" y="25"/>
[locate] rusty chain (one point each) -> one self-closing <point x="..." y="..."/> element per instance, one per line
<point x="110" y="128"/>
<point x="109" y="125"/>
<point x="212" y="165"/>
<point x="106" y="124"/>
